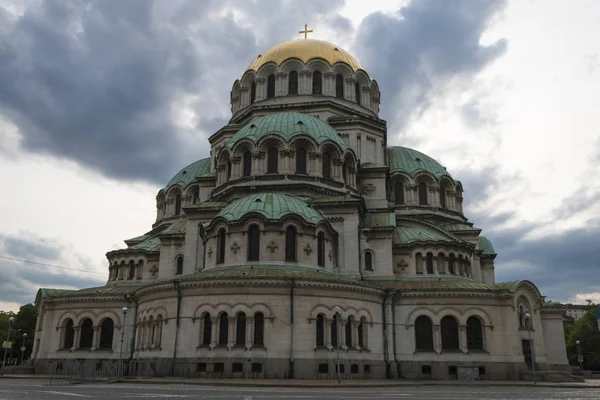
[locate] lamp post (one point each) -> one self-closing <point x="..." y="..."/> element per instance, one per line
<point x="23" y="346"/>
<point x="337" y="340"/>
<point x="579" y="356"/>
<point x="528" y="320"/>
<point x="10" y="322"/>
<point x="124" y="310"/>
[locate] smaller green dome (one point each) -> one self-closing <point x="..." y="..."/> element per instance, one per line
<point x="272" y="205"/>
<point x="403" y="159"/>
<point x="287" y="125"/>
<point x="189" y="173"/>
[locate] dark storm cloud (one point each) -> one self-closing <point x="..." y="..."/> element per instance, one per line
<point x="423" y="47"/>
<point x="99" y="81"/>
<point x="19" y="281"/>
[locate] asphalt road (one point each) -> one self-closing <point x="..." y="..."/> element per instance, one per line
<point x="31" y="390"/>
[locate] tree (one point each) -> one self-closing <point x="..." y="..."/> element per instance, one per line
<point x="25" y="321"/>
<point x="586" y="331"/>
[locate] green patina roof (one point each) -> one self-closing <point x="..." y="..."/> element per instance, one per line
<point x="287" y="125"/>
<point x="459" y="228"/>
<point x="486" y="245"/>
<point x="189" y="173"/>
<point x="510" y="286"/>
<point x="434" y="284"/>
<point x="109" y="290"/>
<point x="411" y="234"/>
<point x="272" y="206"/>
<point x="403" y="159"/>
<point x="380" y="219"/>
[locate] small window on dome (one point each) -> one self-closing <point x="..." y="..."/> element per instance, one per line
<point x="252" y="126"/>
<point x="300" y="123"/>
<point x="417" y="159"/>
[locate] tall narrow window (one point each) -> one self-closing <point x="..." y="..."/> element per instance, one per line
<point x="131" y="274"/>
<point x="339" y="86"/>
<point x="361" y="334"/>
<point x="449" y="327"/>
<point x="317" y="82"/>
<point x="228" y="169"/>
<point x="207" y="330"/>
<point x="221" y="247"/>
<point x="290" y="244"/>
<point x="69" y="334"/>
<point x="178" y="204"/>
<point x="424" y="333"/>
<point x="106" y="333"/>
<point x="326" y="166"/>
<point x="321" y="249"/>
<point x="443" y="194"/>
<point x="320" y="330"/>
<point x="422" y="193"/>
<point x="179" y="267"/>
<point x="259" y="329"/>
<point x="247" y="163"/>
<point x="398" y="193"/>
<point x="271" y="86"/>
<point x="87" y="334"/>
<point x="334" y="331"/>
<point x="301" y="160"/>
<point x="240" y="329"/>
<point x="474" y="334"/>
<point x="272" y="160"/>
<point x="357" y="92"/>
<point x="252" y="92"/>
<point x="293" y="83"/>
<point x="253" y="243"/>
<point x="451" y="262"/>
<point x="196" y="195"/>
<point x="348" y="332"/>
<point x="223" y="329"/>
<point x="368" y="261"/>
<point x="430" y="263"/>
<point x="345" y="171"/>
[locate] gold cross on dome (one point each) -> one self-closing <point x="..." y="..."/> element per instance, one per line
<point x="306" y="31"/>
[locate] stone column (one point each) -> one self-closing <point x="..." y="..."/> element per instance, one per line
<point x="462" y="338"/>
<point x="337" y="169"/>
<point x="329" y="84"/>
<point x="327" y="332"/>
<point x="76" y="337"/>
<point x="355" y="343"/>
<point x="280" y="84"/>
<point x="261" y="89"/>
<point x="304" y="82"/>
<point x="437" y="339"/>
<point x="231" y="335"/>
<point x="441" y="264"/>
<point x="95" y="337"/>
<point x="284" y="158"/>
<point x="434" y="195"/>
<point x="249" y="332"/>
<point x="349" y="93"/>
<point x="213" y="332"/>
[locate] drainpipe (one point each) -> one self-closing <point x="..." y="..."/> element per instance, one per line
<point x="393" y="296"/>
<point x="178" y="288"/>
<point x="291" y="373"/>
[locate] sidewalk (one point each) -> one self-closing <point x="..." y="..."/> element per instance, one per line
<point x="330" y="383"/>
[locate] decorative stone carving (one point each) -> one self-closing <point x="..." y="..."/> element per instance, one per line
<point x="307" y="249"/>
<point x="272" y="246"/>
<point x="154" y="270"/>
<point x="369" y="189"/>
<point x="330" y="255"/>
<point x="400" y="266"/>
<point x="235" y="247"/>
<point x="209" y="252"/>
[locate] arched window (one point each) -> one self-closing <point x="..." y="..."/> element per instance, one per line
<point x="290" y="244"/>
<point x="474" y="334"/>
<point x="131" y="274"/>
<point x="207" y="330"/>
<point x="223" y="329"/>
<point x="87" y="334"/>
<point x="228" y="172"/>
<point x="368" y="261"/>
<point x="357" y="92"/>
<point x="320" y="330"/>
<point x="443" y="194"/>
<point x="317" y="82"/>
<point x="301" y="160"/>
<point x="247" y="163"/>
<point x="271" y="86"/>
<point x="252" y="92"/>
<point x="345" y="171"/>
<point x="423" y="194"/>
<point x="430" y="263"/>
<point x="196" y="194"/>
<point x="348" y="332"/>
<point x="398" y="193"/>
<point x="259" y="329"/>
<point x="449" y="328"/>
<point x="240" y="329"/>
<point x="321" y="249"/>
<point x="221" y="247"/>
<point x="419" y="263"/>
<point x="272" y="160"/>
<point x="69" y="334"/>
<point x="106" y="333"/>
<point x="451" y="262"/>
<point x="334" y="331"/>
<point x="179" y="267"/>
<point x="339" y="86"/>
<point x="424" y="333"/>
<point x="361" y="334"/>
<point x="178" y="204"/>
<point x="293" y="83"/>
<point x="326" y="166"/>
<point x="253" y="243"/>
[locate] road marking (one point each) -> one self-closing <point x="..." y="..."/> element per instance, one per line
<point x="64" y="393"/>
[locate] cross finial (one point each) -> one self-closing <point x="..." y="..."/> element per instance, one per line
<point x="306" y="31"/>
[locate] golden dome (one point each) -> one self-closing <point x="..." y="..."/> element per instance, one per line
<point x="305" y="50"/>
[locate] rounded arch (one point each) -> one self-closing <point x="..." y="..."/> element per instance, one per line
<point x="368" y="257"/>
<point x="450" y="312"/>
<point x="247" y="79"/>
<point x="292" y="64"/>
<point x="239" y="308"/>
<point x="174" y="191"/>
<point x="261" y="308"/>
<point x="292" y="221"/>
<point x="241" y="146"/>
<point x="87" y="314"/>
<point x="118" y="319"/>
<point x="332" y="148"/>
<point x="417" y="312"/>
<point x="271" y="140"/>
<point x="318" y="64"/>
<point x="341" y="68"/>
<point x="254" y="219"/>
<point x="303" y="141"/>
<point x="267" y="69"/>
<point x="362" y="78"/>
<point x="426" y="177"/>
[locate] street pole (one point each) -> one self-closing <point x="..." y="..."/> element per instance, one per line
<point x="579" y="357"/>
<point x="23" y="346"/>
<point x="528" y="319"/>
<point x="10" y="322"/>
<point x="337" y="340"/>
<point x="124" y="309"/>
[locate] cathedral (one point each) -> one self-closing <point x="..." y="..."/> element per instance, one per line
<point x="305" y="246"/>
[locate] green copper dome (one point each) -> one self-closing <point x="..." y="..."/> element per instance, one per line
<point x="287" y="125"/>
<point x="189" y="173"/>
<point x="403" y="159"/>
<point x="272" y="206"/>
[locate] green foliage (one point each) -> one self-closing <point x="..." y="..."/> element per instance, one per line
<point x="586" y="331"/>
<point x="25" y="321"/>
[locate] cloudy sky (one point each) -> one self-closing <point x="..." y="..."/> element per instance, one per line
<point x="101" y="102"/>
